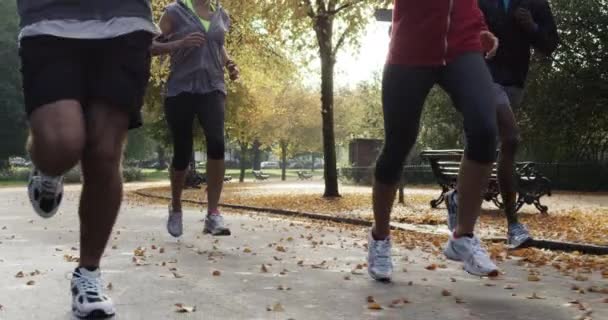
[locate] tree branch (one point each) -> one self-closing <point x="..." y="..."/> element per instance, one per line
<point x="309" y="8"/>
<point x="344" y="6"/>
<point x="340" y="42"/>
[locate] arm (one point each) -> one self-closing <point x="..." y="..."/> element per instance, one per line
<point x="160" y="47"/>
<point x="233" y="70"/>
<point x="545" y="39"/>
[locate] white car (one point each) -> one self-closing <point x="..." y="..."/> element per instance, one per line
<point x="270" y="165"/>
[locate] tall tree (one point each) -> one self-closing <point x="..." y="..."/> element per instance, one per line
<point x="335" y="23"/>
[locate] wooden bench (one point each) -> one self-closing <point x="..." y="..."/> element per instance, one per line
<point x="302" y="175"/>
<point x="260" y="176"/>
<point x="531" y="184"/>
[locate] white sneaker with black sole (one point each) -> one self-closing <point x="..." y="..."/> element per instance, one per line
<point x="214" y="225"/>
<point x="88" y="299"/>
<point x="45" y="193"/>
<point x="379" y="260"/>
<point x="468" y="250"/>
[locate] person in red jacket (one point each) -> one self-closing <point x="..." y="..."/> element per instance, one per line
<point x="436" y="42"/>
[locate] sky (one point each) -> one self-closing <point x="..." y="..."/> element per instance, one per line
<point x="354" y="66"/>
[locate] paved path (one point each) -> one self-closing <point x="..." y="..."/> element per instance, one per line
<point x="313" y="289"/>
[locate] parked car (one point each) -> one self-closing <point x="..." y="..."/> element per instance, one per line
<point x="296" y="165"/>
<point x="19" y="162"/>
<point x="270" y="165"/>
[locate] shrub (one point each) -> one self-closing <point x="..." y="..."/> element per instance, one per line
<point x="132" y="174"/>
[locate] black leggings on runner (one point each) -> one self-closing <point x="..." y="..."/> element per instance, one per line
<point x="180" y="112"/>
<point x="404" y="90"/>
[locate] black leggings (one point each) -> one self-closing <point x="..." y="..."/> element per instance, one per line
<point x="404" y="90"/>
<point x="180" y="111"/>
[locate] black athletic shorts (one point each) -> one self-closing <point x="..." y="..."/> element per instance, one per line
<point x="113" y="71"/>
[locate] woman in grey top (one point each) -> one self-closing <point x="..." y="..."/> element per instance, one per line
<point x="193" y="34"/>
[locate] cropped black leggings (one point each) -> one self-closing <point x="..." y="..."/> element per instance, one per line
<point x="180" y="112"/>
<point x="404" y="90"/>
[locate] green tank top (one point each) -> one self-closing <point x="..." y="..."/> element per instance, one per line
<point x="206" y="23"/>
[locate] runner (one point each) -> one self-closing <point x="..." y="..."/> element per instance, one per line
<point x="85" y="69"/>
<point x="436" y="42"/>
<point x="520" y="25"/>
<point x="193" y="33"/>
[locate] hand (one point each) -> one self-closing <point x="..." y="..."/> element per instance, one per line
<point x="233" y="71"/>
<point x="525" y="20"/>
<point x="195" y="39"/>
<point x="490" y="43"/>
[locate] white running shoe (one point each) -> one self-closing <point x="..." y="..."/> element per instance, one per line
<point x="518" y="236"/>
<point x="45" y="193"/>
<point x="379" y="261"/>
<point x="174" y="223"/>
<point x="468" y="250"/>
<point x="88" y="299"/>
<point x="214" y="225"/>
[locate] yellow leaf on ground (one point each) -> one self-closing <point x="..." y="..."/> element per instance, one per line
<point x="277" y="307"/>
<point x="533" y="278"/>
<point x="374" y="306"/>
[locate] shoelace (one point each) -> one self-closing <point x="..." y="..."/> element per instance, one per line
<point x="48" y="187"/>
<point x="86" y="284"/>
<point x="217" y="219"/>
<point x="518" y="229"/>
<point x="383" y="259"/>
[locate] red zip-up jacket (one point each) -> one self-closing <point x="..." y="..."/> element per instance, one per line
<point x="434" y="32"/>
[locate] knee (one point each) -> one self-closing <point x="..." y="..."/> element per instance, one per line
<point x="216" y="148"/>
<point x="180" y="160"/>
<point x="102" y="158"/>
<point x="61" y="145"/>
<point x="481" y="144"/>
<point x="389" y="166"/>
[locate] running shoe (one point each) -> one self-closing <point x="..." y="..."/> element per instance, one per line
<point x="379" y="261"/>
<point x="45" y="193"/>
<point x="174" y="223"/>
<point x="451" y="202"/>
<point x="518" y="235"/>
<point x="88" y="299"/>
<point x="214" y="225"/>
<point x="468" y="250"/>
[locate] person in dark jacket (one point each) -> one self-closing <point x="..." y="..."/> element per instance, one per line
<point x="520" y="25"/>
<point x="436" y="42"/>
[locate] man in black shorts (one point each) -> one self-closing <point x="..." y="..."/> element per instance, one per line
<point x="85" y="68"/>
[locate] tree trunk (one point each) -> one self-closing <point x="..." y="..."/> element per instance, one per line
<point x="161" y="156"/>
<point x="256" y="155"/>
<point x="243" y="162"/>
<point x="283" y="160"/>
<point x="312" y="158"/>
<point x="324" y="30"/>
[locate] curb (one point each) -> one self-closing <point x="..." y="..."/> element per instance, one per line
<point x="540" y="244"/>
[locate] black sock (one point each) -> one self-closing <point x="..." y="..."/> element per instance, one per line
<point x="89" y="268"/>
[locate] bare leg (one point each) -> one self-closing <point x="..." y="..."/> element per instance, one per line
<point x="57" y="137"/>
<point x="509" y="140"/>
<point x="215" y="182"/>
<point x="383" y="199"/>
<point x="102" y="189"/>
<point x="472" y="179"/>
<point x="178" y="179"/>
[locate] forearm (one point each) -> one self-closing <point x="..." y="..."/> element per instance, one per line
<point x="160" y="47"/>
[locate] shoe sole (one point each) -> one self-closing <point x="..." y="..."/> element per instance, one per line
<point x="95" y="314"/>
<point x="380" y="278"/>
<point x="493" y="273"/>
<point x="41" y="213"/>
<point x="525" y="244"/>
<point x="225" y="232"/>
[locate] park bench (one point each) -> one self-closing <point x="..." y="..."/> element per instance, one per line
<point x="531" y="184"/>
<point x="260" y="176"/>
<point x="302" y="175"/>
<point x="195" y="179"/>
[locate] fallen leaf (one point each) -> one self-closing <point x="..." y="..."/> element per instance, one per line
<point x="370" y="299"/>
<point x="181" y="308"/>
<point x="277" y="258"/>
<point x="139" y="252"/>
<point x="453" y="279"/>
<point x="31" y="283"/>
<point x="431" y="267"/>
<point x="290" y="239"/>
<point x="509" y="287"/>
<point x="534" y="296"/>
<point x="277" y="307"/>
<point x="533" y="278"/>
<point x="490" y="285"/>
<point x="110" y="286"/>
<point x="281" y="249"/>
<point x="114" y="247"/>
<point x="153" y="247"/>
<point x="459" y="300"/>
<point x="264" y="269"/>
<point x="374" y="306"/>
<point x="411" y="283"/>
<point x="161" y="250"/>
<point x="217" y="273"/>
<point x="606" y="300"/>
<point x="581" y="278"/>
<point x="74" y="249"/>
<point x="301" y="262"/>
<point x="58" y="249"/>
<point x="20" y="274"/>
<point x="346" y="277"/>
<point x="446" y="293"/>
<point x="247" y="250"/>
<point x="177" y="275"/>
